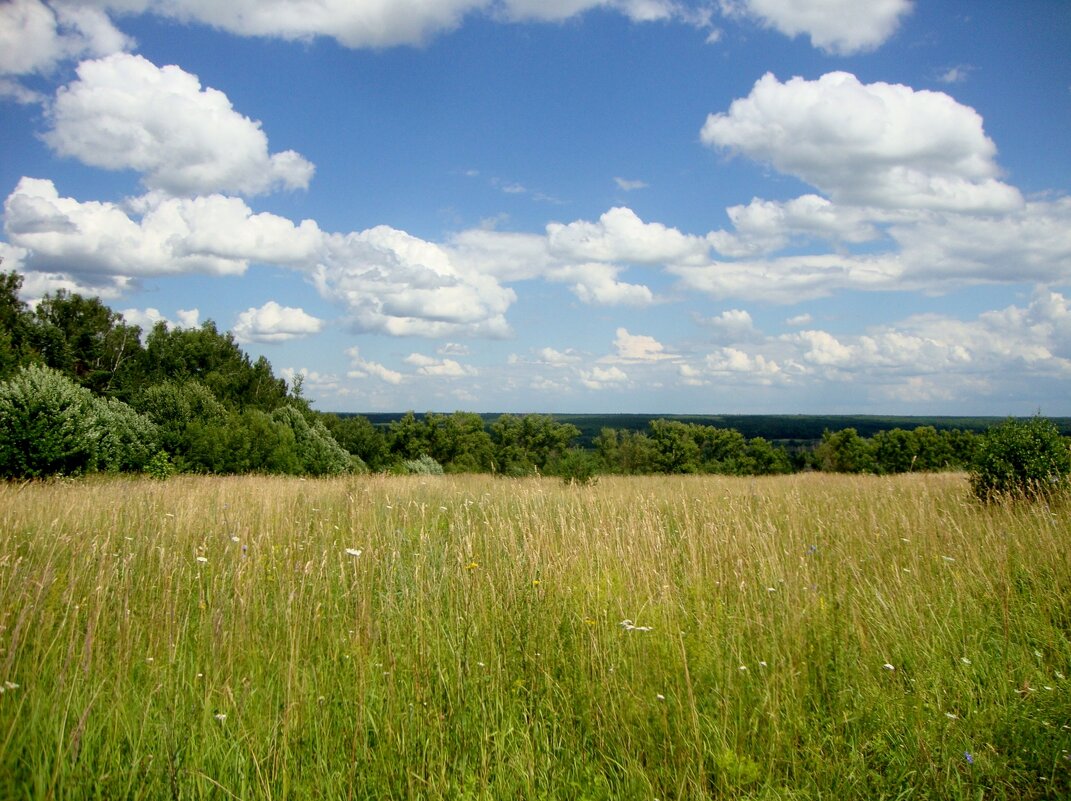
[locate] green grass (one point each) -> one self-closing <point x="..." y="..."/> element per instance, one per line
<point x="474" y="649"/>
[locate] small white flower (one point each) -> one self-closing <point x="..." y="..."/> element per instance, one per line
<point x="762" y="664"/>
<point x="1059" y="675"/>
<point x="354" y="552"/>
<point x="235" y="539"/>
<point x="202" y="559"/>
<point x="948" y="558"/>
<point x="964" y="660"/>
<point x="951" y="715"/>
<point x="742" y="668"/>
<point x="220" y="716"/>
<point x="771" y="589"/>
<point x="887" y="666"/>
<point x="1037" y="653"/>
<point x="660" y="697"/>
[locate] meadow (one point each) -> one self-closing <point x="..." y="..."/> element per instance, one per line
<point x="466" y="637"/>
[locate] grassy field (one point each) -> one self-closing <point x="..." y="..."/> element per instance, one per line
<point x="800" y="637"/>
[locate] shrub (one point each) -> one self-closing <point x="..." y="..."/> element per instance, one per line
<point x="51" y="426"/>
<point x="1021" y="459"/>
<point x="423" y="466"/>
<point x="317" y="450"/>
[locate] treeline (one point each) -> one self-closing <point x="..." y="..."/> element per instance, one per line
<point x="81" y="390"/>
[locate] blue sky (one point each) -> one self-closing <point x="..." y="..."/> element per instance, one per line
<point x="655" y="206"/>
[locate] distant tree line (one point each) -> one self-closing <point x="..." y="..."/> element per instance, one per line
<point x="82" y="390"/>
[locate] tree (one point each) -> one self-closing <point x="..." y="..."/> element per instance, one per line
<point x="87" y="341"/>
<point x="216" y="360"/>
<point x="316" y="449"/>
<point x="845" y="452"/>
<point x="16" y="324"/>
<point x="527" y="444"/>
<point x="1021" y="459"/>
<point x="360" y="438"/>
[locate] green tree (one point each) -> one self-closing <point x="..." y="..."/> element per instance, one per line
<point x="1021" y="459"/>
<point x="215" y="359"/>
<point x="676" y="445"/>
<point x="845" y="452"/>
<point x="16" y="326"/>
<point x="360" y="438"/>
<point x="87" y="341"/>
<point x="528" y="443"/>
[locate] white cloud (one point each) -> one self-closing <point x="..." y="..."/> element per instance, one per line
<point x="35" y="37"/>
<point x="602" y="378"/>
<point x="556" y="358"/>
<point x="442" y="368"/>
<point x="638" y="348"/>
<point x="629" y="186"/>
<point x="621" y="236"/>
<point x="837" y="26"/>
<point x="395" y="283"/>
<point x="733" y="325"/>
<point x="741" y="365"/>
<point x="152" y="235"/>
<point x="597" y="284"/>
<point x="275" y="323"/>
<point x="124" y="112"/>
<point x="881" y="145"/>
<point x="763" y="226"/>
<point x="362" y="368"/>
<point x="799" y="320"/>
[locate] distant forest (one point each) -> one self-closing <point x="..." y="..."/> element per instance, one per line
<point x="83" y="391"/>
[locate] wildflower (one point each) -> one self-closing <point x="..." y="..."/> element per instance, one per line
<point x="628" y="625"/>
<point x="762" y="664"/>
<point x="951" y="715"/>
<point x="967" y="756"/>
<point x="887" y="666"/>
<point x="964" y="660"/>
<point x="354" y="552"/>
<point x="235" y="538"/>
<point x="535" y="582"/>
<point x="8" y="685"/>
<point x="589" y="621"/>
<point x="472" y="565"/>
<point x="220" y="716"/>
<point x="202" y="559"/>
<point x="948" y="558"/>
<point x="660" y="697"/>
<point x="743" y="668"/>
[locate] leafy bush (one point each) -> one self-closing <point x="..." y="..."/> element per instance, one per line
<point x="1021" y="459"/>
<point x="51" y="426"/>
<point x="422" y="466"/>
<point x="317" y="450"/>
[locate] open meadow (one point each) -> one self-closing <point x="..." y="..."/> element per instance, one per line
<point x="466" y="637"/>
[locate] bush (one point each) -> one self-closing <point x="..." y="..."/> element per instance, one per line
<point x="1021" y="459"/>
<point x="317" y="450"/>
<point x="51" y="426"/>
<point x="424" y="466"/>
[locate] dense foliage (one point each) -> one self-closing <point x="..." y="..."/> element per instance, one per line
<point x="1021" y="459"/>
<point x="81" y="390"/>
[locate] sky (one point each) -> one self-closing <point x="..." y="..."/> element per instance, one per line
<point x="585" y="206"/>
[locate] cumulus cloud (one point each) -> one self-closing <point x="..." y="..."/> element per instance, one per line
<point x="148" y="318"/>
<point x="152" y="235"/>
<point x="638" y="348"/>
<point x="842" y="27"/>
<point x="557" y="358"/>
<point x="124" y="112"/>
<point x="880" y="145"/>
<point x="733" y="325"/>
<point x="602" y="378"/>
<point x="395" y="283"/>
<point x="442" y="368"/>
<point x="363" y="368"/>
<point x="275" y="323"/>
<point x="621" y="236"/>
<point x="36" y="36"/>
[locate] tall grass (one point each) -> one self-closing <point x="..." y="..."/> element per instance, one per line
<point x="802" y="637"/>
